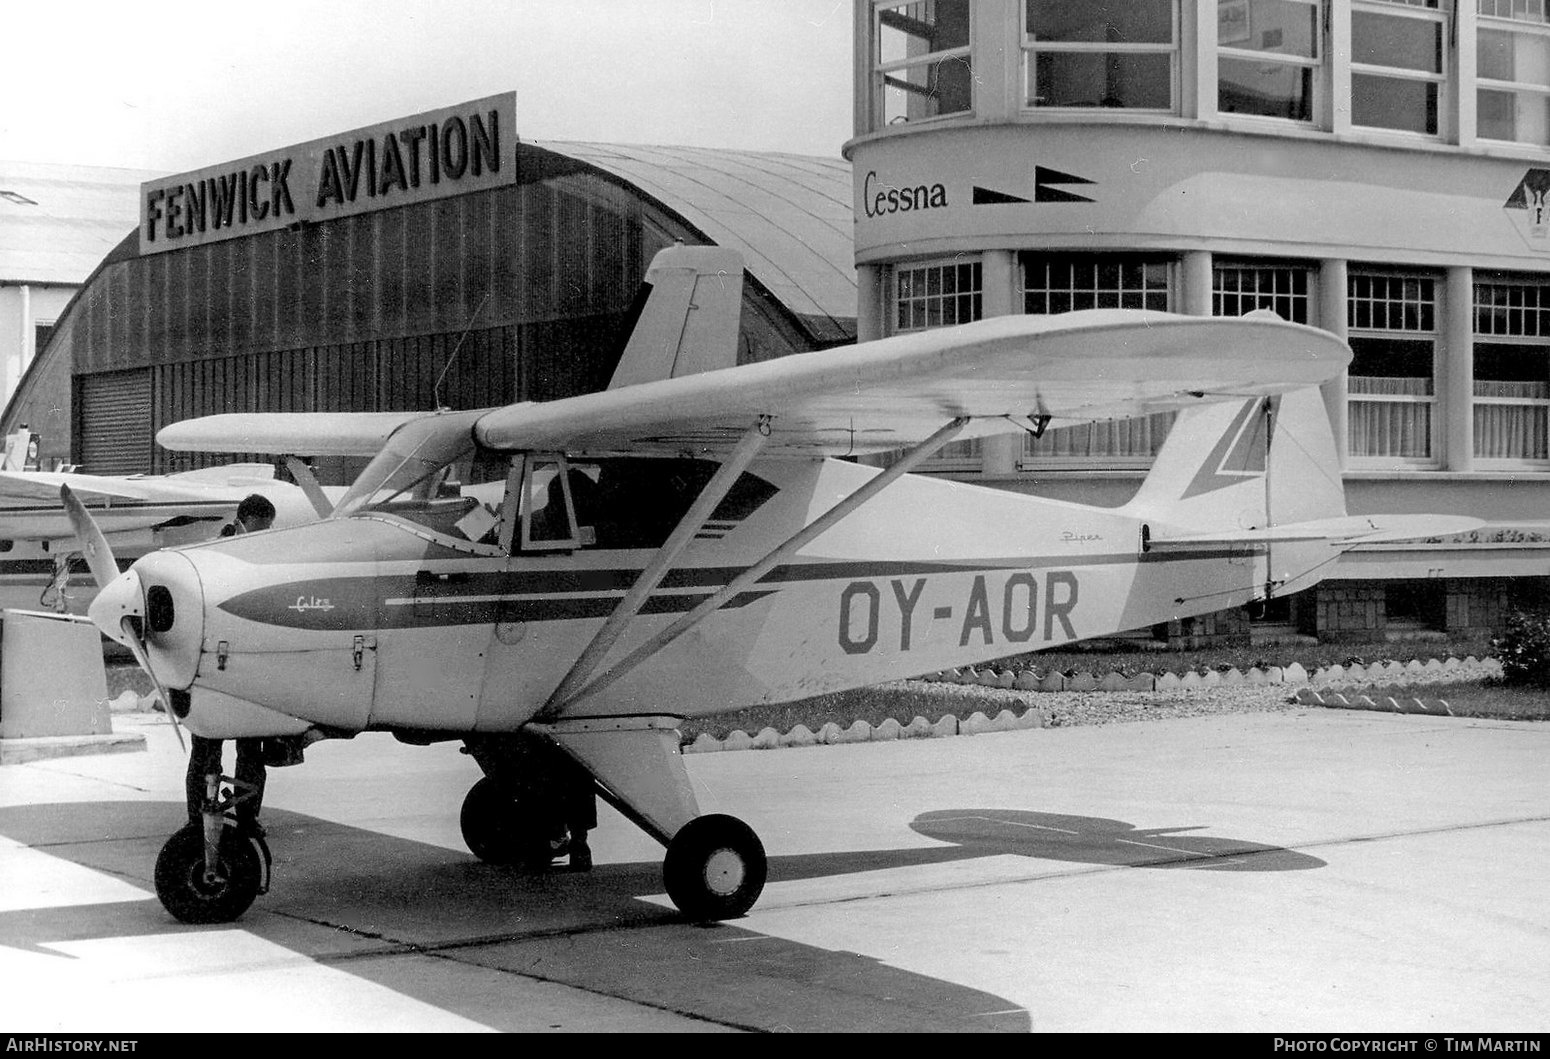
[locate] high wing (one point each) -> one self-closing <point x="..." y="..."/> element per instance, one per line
<point x="1006" y="373"/>
<point x="287" y="433"/>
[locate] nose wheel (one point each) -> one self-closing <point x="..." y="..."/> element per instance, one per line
<point x="193" y="893"/>
<point x="715" y="868"/>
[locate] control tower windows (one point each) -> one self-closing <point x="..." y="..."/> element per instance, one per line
<point x="1398" y="63"/>
<point x="1512" y="372"/>
<point x="1101" y="53"/>
<point x="1270" y="52"/>
<point x="1512" y="70"/>
<point x="921" y="65"/>
<point x="1393" y="334"/>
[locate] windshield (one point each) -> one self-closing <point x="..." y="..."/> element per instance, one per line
<point x="413" y="464"/>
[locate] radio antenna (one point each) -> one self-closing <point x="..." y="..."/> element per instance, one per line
<point x="451" y="360"/>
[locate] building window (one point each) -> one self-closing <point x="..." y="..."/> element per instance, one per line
<point x="1398" y="63"/>
<point x="1062" y="283"/>
<point x="1269" y="55"/>
<point x="936" y="295"/>
<point x="1393" y="336"/>
<point x="1101" y="53"/>
<point x="41" y="333"/>
<point x="1512" y="70"/>
<point x="940" y="295"/>
<point x="1512" y="371"/>
<point x="1237" y="289"/>
<point x="1058" y="283"/>
<point x="921" y="64"/>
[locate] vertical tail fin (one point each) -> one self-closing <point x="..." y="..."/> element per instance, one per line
<point x="1245" y="465"/>
<point x="691" y="317"/>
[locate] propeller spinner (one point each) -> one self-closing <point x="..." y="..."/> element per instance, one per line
<point x="120" y="602"/>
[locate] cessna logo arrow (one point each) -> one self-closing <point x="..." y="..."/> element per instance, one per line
<point x="1045" y="189"/>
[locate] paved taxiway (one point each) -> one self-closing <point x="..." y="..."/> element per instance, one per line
<point x="1314" y="870"/>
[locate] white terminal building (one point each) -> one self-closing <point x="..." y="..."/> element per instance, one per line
<point x="1376" y="168"/>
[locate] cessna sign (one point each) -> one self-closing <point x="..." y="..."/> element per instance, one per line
<point x="469" y="147"/>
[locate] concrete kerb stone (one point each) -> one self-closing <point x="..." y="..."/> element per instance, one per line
<point x="1029" y="680"/>
<point x="45" y="747"/>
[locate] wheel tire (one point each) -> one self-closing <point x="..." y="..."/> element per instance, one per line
<point x="499" y="829"/>
<point x="180" y="876"/>
<point x="715" y="868"/>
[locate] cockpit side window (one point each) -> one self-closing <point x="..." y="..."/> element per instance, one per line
<point x="557" y="504"/>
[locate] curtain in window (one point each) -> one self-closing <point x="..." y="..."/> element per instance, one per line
<point x="1399" y="426"/>
<point x="1120" y="438"/>
<point x="1506" y="429"/>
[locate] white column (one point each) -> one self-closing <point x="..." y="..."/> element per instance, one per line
<point x="998" y="278"/>
<point x="1195" y="283"/>
<point x="870" y="291"/>
<point x="861" y="39"/>
<point x="1453" y="423"/>
<point x="1333" y="288"/>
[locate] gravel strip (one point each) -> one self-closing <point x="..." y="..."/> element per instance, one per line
<point x="1068" y="708"/>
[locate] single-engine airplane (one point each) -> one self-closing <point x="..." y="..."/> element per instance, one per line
<point x="687" y="542"/>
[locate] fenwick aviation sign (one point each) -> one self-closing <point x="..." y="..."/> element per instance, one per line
<point x="452" y="151"/>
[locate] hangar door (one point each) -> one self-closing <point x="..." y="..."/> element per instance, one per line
<point x="113" y="422"/>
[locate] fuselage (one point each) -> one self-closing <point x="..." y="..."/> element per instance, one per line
<point x="378" y="621"/>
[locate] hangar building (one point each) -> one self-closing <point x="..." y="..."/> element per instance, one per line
<point x="1377" y="168"/>
<point x="432" y="261"/>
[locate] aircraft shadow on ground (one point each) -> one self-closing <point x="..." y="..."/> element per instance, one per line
<point x="1095" y="840"/>
<point x="352" y="897"/>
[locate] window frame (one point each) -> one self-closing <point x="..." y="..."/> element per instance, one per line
<point x="880" y="69"/>
<point x="1441" y="13"/>
<point x="1432" y="336"/>
<point x="1506" y="24"/>
<point x="1316" y="65"/>
<point x="1539" y="341"/>
<point x="1031" y="46"/>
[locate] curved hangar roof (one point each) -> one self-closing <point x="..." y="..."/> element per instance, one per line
<point x="789" y="215"/>
<point x="57" y="221"/>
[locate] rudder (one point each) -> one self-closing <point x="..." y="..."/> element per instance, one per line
<point x="1216" y="470"/>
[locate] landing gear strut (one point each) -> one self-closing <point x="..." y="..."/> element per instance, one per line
<point x="211" y="870"/>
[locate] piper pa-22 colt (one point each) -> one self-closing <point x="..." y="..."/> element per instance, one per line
<point x="686" y="543"/>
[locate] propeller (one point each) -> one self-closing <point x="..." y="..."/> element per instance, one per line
<point x="114" y="590"/>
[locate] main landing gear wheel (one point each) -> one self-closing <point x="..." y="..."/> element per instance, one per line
<point x="715" y="868"/>
<point x="188" y="894"/>
<point x="499" y="829"/>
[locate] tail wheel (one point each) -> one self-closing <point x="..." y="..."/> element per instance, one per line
<point x="715" y="868"/>
<point x="191" y="896"/>
<point x="500" y="828"/>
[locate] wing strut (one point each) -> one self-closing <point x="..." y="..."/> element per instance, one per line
<point x="715" y="490"/>
<point x="910" y="460"/>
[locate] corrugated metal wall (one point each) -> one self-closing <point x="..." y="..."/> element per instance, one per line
<point x="113" y="425"/>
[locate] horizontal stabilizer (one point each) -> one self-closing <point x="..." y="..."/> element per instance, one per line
<point x="1349" y="529"/>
